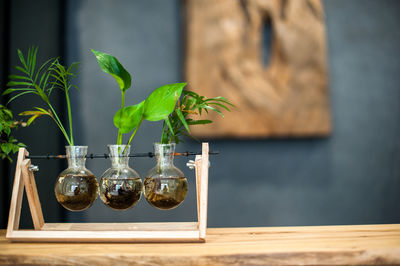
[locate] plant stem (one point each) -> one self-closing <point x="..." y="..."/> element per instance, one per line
<point x="59" y="124"/>
<point x="134" y="132"/>
<point x="162" y="134"/>
<point x="119" y="137"/>
<point x="69" y="117"/>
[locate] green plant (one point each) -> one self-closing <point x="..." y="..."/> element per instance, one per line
<point x="156" y="107"/>
<point x="162" y="104"/>
<point x="177" y="123"/>
<point x="8" y="144"/>
<point x="42" y="82"/>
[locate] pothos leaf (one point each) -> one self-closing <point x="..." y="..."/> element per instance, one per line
<point x="128" y="118"/>
<point x="162" y="101"/>
<point x="110" y="65"/>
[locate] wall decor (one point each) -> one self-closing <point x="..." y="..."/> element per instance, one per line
<point x="287" y="96"/>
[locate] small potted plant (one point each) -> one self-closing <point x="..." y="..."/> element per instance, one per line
<point x="120" y="185"/>
<point x="8" y="144"/>
<point x="165" y="186"/>
<point x="76" y="187"/>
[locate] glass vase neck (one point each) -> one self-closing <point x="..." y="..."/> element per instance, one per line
<point x="164" y="154"/>
<point x="119" y="155"/>
<point x="76" y="156"/>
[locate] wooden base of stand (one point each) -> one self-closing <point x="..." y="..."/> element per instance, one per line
<point x="103" y="232"/>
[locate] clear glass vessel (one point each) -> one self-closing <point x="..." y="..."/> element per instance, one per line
<point x="165" y="186"/>
<point x="76" y="188"/>
<point x="120" y="185"/>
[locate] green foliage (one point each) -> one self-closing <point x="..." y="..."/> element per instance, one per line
<point x="128" y="118"/>
<point x="157" y="106"/>
<point x="176" y="125"/>
<point x="162" y="104"/>
<point x="41" y="82"/>
<point x="8" y="144"/>
<point x="162" y="101"/>
<point x="110" y="65"/>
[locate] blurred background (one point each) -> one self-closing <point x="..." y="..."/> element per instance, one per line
<point x="351" y="176"/>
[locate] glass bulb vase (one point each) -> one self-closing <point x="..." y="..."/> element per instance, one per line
<point x="76" y="188"/>
<point x="120" y="185"/>
<point x="165" y="186"/>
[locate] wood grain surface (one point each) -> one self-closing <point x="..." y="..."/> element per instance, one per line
<point x="317" y="245"/>
<point x="287" y="96"/>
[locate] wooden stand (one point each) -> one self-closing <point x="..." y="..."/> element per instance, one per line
<point x="103" y="232"/>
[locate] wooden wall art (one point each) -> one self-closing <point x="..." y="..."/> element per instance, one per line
<point x="286" y="97"/>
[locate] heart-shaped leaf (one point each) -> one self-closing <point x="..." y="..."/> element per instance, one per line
<point x="127" y="118"/>
<point x="161" y="102"/>
<point x="110" y="65"/>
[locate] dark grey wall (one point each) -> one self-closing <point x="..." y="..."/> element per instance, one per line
<point x="27" y="23"/>
<point x="352" y="177"/>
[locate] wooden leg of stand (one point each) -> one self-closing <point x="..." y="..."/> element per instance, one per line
<point x="32" y="195"/>
<point x="198" y="175"/>
<point x="203" y="191"/>
<point x="17" y="193"/>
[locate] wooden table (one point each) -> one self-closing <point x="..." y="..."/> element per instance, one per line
<point x="363" y="244"/>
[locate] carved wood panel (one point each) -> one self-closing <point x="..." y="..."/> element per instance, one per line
<point x="287" y="97"/>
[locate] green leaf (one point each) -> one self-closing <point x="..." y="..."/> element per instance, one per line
<point x="52" y="60"/>
<point x="11" y="90"/>
<point x="110" y="65"/>
<point x="214" y="109"/>
<point x="18" y="83"/>
<point x="18" y="77"/>
<point x="199" y="122"/>
<point x="220" y="105"/>
<point x="41" y="94"/>
<point x="6" y="147"/>
<point x="21" y="58"/>
<point x="168" y="122"/>
<point x="8" y="113"/>
<point x="182" y="118"/>
<point x="35" y="114"/>
<point x="128" y="118"/>
<point x="21" y="69"/>
<point x="20" y="144"/>
<point x="33" y="60"/>
<point x="15" y="148"/>
<point x="20" y="94"/>
<point x="31" y="119"/>
<point x="161" y="102"/>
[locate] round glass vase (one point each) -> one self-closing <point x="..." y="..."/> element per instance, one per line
<point x="165" y="186"/>
<point x="76" y="188"/>
<point x="120" y="185"/>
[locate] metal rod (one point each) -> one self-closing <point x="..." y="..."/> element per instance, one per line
<point x="105" y="156"/>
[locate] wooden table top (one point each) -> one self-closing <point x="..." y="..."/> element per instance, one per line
<point x="361" y="244"/>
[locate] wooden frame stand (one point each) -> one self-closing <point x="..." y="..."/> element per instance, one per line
<point x="103" y="232"/>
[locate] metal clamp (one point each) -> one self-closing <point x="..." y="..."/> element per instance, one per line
<point x="33" y="168"/>
<point x="191" y="164"/>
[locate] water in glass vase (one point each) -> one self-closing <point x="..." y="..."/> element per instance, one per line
<point x="76" y="192"/>
<point x="165" y="186"/>
<point x="120" y="194"/>
<point x="76" y="187"/>
<point x="165" y="193"/>
<point x="120" y="185"/>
